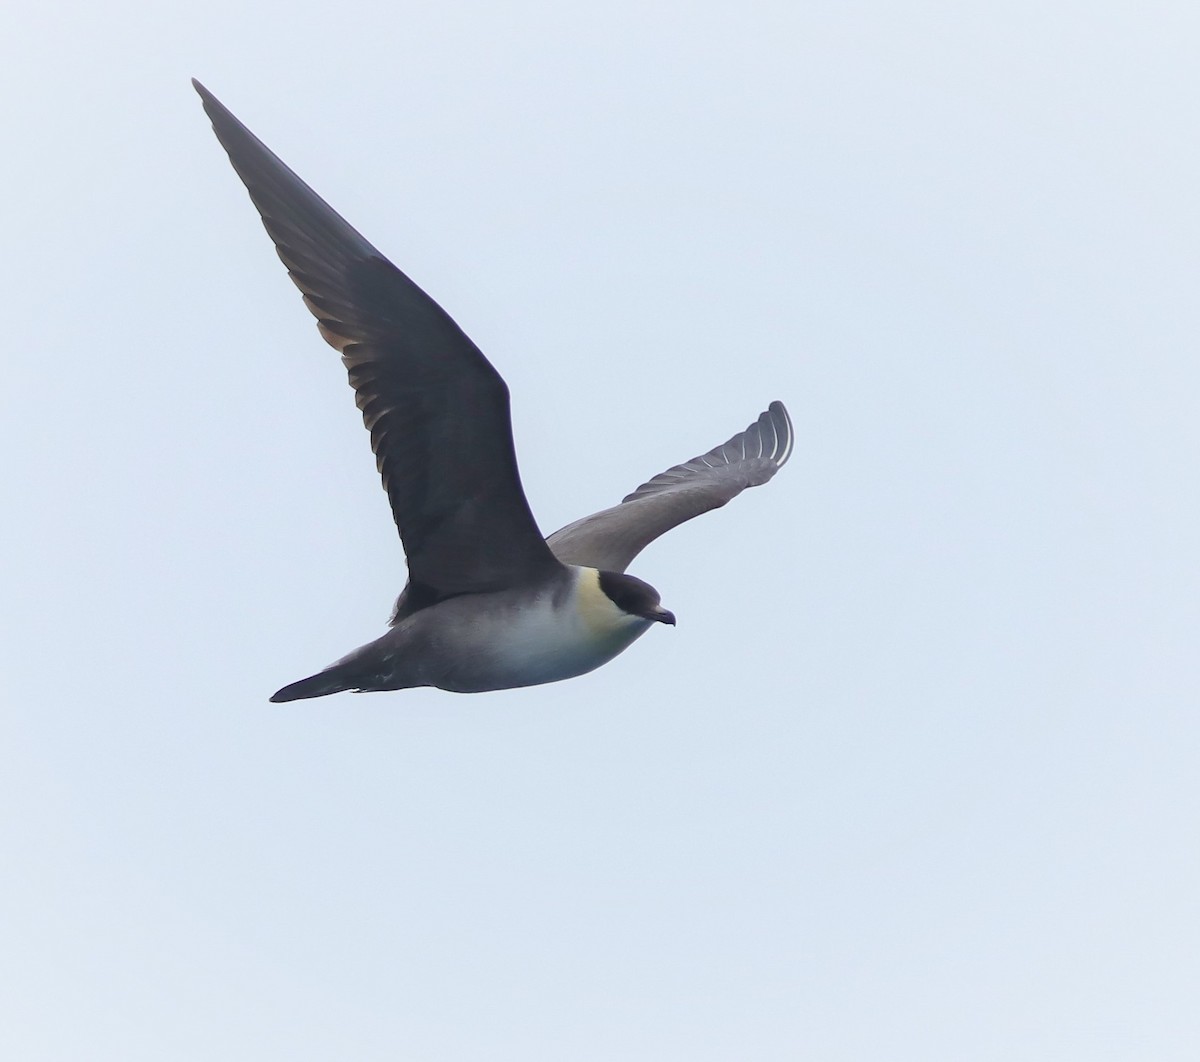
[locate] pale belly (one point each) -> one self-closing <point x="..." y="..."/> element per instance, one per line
<point x="528" y="648"/>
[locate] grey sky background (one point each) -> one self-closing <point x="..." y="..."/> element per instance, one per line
<point x="915" y="776"/>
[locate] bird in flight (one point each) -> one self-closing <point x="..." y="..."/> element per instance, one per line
<point x="490" y="603"/>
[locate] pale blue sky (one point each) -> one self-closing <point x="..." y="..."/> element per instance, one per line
<point x="915" y="777"/>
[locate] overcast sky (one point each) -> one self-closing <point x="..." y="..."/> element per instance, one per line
<point x="914" y="778"/>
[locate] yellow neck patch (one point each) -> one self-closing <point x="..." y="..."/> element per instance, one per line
<point x="599" y="613"/>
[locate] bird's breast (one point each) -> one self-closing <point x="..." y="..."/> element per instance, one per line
<point x="567" y="631"/>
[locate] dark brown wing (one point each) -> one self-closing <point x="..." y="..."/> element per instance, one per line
<point x="610" y="539"/>
<point x="437" y="411"/>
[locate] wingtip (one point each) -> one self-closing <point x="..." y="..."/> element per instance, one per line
<point x="784" y="432"/>
<point x="212" y="106"/>
<point x="217" y="112"/>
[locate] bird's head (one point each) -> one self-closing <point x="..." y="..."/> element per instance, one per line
<point x="634" y="597"/>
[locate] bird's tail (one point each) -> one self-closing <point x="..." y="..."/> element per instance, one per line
<point x="334" y="679"/>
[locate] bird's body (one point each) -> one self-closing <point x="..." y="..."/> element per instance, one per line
<point x="496" y="641"/>
<point x="490" y="604"/>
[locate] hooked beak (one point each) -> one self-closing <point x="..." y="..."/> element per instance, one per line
<point x="661" y="615"/>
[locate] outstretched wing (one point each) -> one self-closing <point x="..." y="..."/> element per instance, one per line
<point x="610" y="539"/>
<point x="437" y="411"/>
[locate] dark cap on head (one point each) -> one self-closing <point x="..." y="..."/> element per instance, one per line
<point x="630" y="594"/>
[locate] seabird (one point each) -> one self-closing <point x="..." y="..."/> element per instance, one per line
<point x="490" y="603"/>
